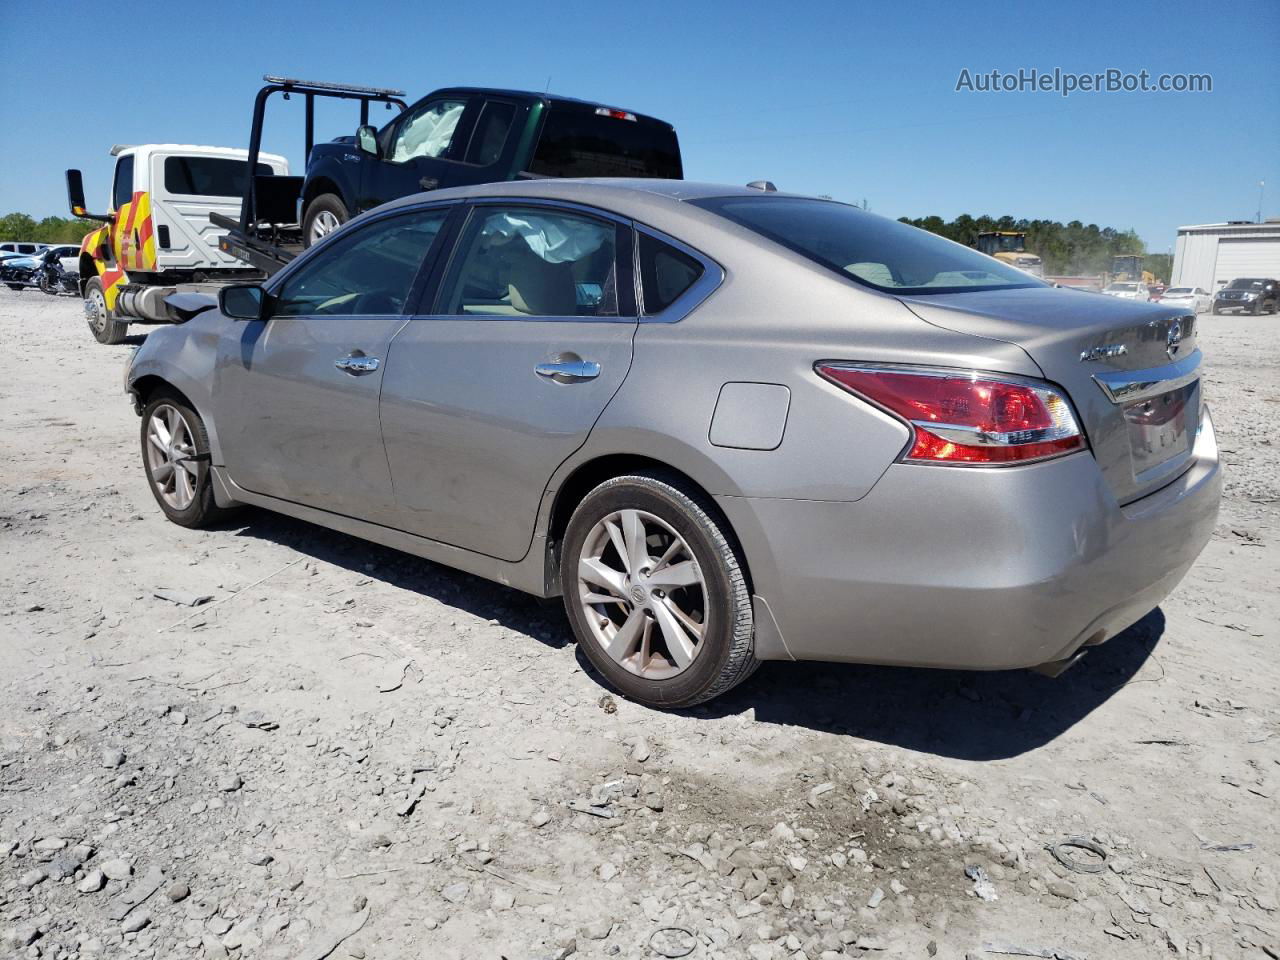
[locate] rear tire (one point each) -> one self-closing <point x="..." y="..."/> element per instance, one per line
<point x="175" y="457"/>
<point x="706" y="603"/>
<point x="324" y="214"/>
<point x="103" y="324"/>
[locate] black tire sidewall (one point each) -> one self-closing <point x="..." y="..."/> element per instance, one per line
<point x="325" y="201"/>
<point x="688" y="687"/>
<point x="202" y="507"/>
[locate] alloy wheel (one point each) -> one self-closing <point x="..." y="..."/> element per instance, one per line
<point x="171" y="451"/>
<point x="643" y="594"/>
<point x="323" y="225"/>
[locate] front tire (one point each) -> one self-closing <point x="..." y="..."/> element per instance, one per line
<point x="656" y="593"/>
<point x="175" y="456"/>
<point x="103" y="324"/>
<point x="325" y="214"/>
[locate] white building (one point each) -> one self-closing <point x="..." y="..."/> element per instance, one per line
<point x="1213" y="254"/>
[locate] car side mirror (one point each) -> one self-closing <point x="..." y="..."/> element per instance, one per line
<point x="243" y="301"/>
<point x="367" y="139"/>
<point x="75" y="198"/>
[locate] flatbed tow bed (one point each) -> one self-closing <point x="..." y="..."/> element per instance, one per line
<point x="268" y="233"/>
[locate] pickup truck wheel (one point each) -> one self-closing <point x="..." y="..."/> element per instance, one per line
<point x="325" y="214"/>
<point x="102" y="319"/>
<point x="175" y="455"/>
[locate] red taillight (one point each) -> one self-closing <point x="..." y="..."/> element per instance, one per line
<point x="615" y="114"/>
<point x="965" y="417"/>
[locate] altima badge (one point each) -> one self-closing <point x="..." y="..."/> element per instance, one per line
<point x="1104" y="353"/>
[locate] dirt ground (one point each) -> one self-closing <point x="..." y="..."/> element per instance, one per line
<point x="349" y="752"/>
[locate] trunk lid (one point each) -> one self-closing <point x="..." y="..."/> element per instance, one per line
<point x="1132" y="370"/>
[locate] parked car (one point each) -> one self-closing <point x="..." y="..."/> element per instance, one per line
<point x="1155" y="293"/>
<point x="25" y="248"/>
<point x="19" y="272"/>
<point x="726" y="425"/>
<point x="1188" y="298"/>
<point x="1126" y="290"/>
<point x="465" y="135"/>
<point x="58" y="270"/>
<point x="1250" y="294"/>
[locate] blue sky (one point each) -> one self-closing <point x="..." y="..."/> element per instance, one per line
<point x="855" y="100"/>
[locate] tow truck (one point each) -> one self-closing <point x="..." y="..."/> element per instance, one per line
<point x="156" y="238"/>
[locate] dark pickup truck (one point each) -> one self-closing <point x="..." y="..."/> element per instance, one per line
<point x="452" y="137"/>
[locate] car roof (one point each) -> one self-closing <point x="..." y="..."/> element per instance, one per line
<point x="551" y="98"/>
<point x="620" y="193"/>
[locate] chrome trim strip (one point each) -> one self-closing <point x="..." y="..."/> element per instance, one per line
<point x="1127" y="386"/>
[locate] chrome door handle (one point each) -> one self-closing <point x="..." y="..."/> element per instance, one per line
<point x="357" y="365"/>
<point x="568" y="371"/>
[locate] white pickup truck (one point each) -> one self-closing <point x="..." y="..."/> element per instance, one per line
<point x="157" y="239"/>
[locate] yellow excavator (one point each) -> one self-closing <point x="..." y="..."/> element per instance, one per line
<point x="1010" y="246"/>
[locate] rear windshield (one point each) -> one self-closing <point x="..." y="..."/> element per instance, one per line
<point x="208" y="176"/>
<point x="582" y="143"/>
<point x="1178" y="292"/>
<point x="872" y="250"/>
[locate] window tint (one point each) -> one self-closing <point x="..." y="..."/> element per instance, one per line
<point x="582" y="143"/>
<point x="428" y="130"/>
<point x="665" y="273"/>
<point x="122" y="192"/>
<point x="368" y="272"/>
<point x="525" y="262"/>
<point x="872" y="250"/>
<point x="208" y="176"/>
<point x="491" y="132"/>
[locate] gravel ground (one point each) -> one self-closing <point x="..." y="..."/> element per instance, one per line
<point x="349" y="752"/>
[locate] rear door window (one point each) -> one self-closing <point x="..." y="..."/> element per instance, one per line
<point x="665" y="273"/>
<point x="490" y="136"/>
<point x="533" y="262"/>
<point x="209" y="176"/>
<point x="584" y="143"/>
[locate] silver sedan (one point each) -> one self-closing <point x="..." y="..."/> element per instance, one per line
<point x="726" y="425"/>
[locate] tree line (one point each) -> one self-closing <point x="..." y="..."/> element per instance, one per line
<point x="19" y="226"/>
<point x="1070" y="249"/>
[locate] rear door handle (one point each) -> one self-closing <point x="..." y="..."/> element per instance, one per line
<point x="568" y="371"/>
<point x="356" y="365"/>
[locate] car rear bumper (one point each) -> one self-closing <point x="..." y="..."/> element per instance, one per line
<point x="974" y="568"/>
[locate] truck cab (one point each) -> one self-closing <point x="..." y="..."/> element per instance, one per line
<point x="156" y="232"/>
<point x="464" y="135"/>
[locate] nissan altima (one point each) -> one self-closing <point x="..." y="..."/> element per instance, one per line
<point x="726" y="425"/>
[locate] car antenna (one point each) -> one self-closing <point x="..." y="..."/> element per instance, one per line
<point x="765" y="185"/>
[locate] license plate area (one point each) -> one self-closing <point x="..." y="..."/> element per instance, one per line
<point x="1162" y="430"/>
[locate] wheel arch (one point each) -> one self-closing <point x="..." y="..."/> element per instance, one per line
<point x="589" y="474"/>
<point x="145" y="387"/>
<point x="321" y="183"/>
